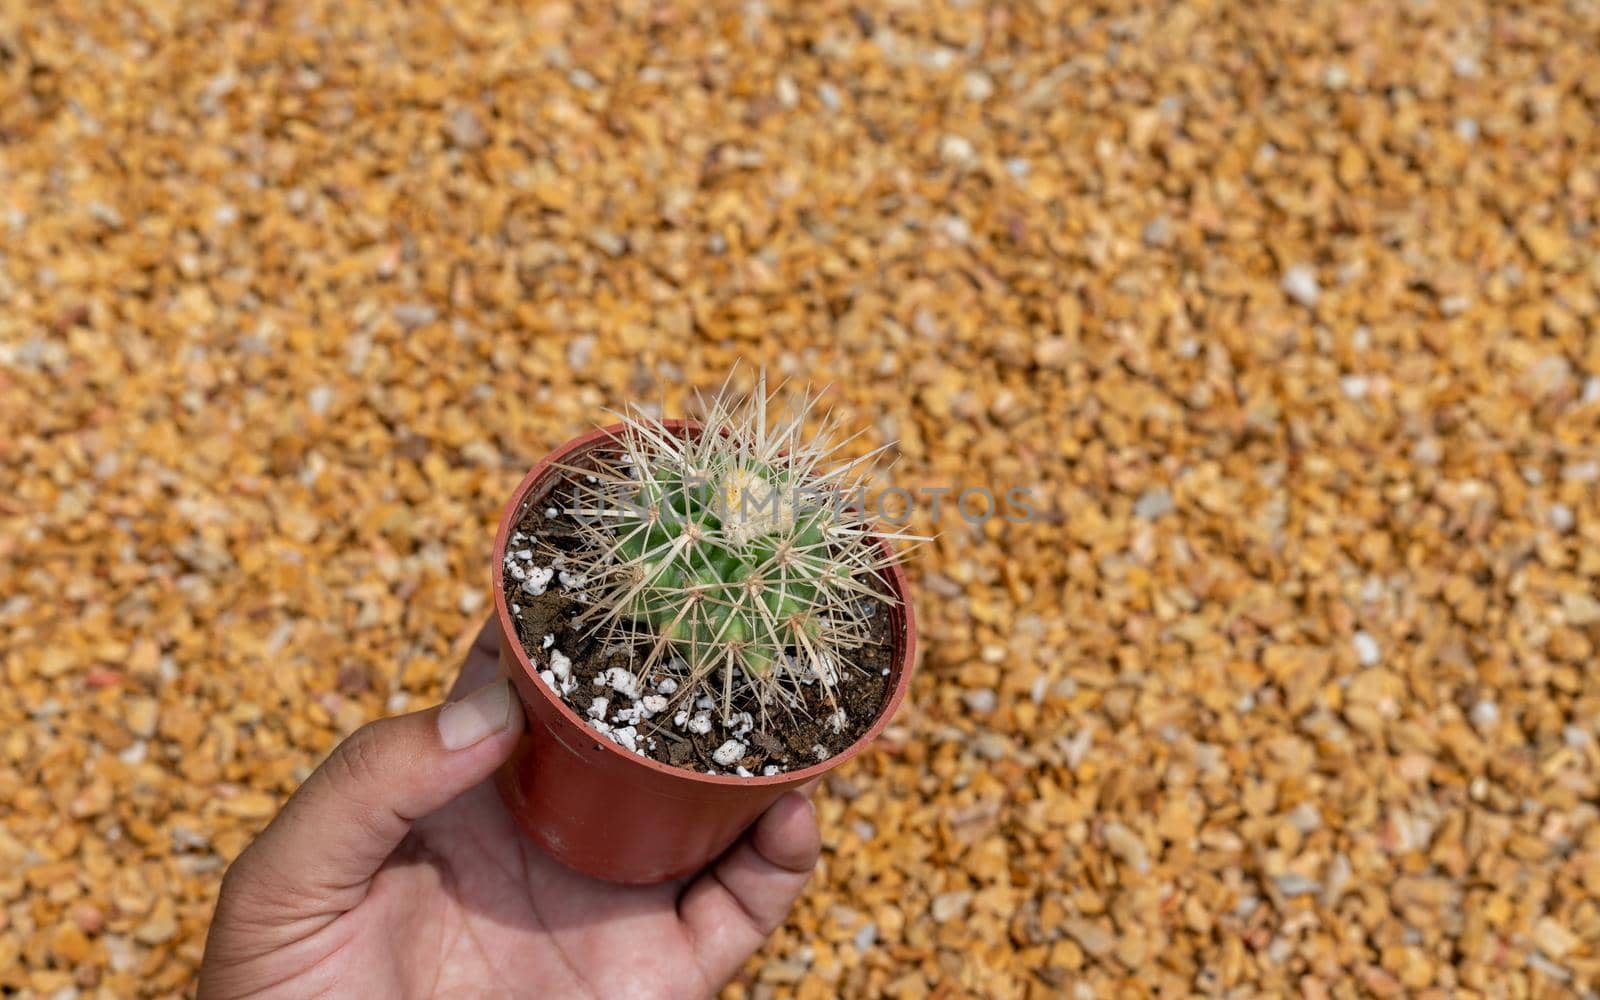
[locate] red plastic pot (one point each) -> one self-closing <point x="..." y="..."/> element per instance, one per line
<point x="620" y="816"/>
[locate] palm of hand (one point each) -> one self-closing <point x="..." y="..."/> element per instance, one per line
<point x="469" y="907"/>
<point x="459" y="903"/>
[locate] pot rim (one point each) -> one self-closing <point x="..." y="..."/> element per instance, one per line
<point x="901" y="672"/>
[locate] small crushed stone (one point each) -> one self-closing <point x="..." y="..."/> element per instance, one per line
<point x="290" y="298"/>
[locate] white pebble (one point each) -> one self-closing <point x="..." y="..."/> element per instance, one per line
<point x="549" y="640"/>
<point x="549" y="677"/>
<point x="701" y="723"/>
<point x="1292" y="884"/>
<point x="626" y="737"/>
<point x="769" y="770"/>
<point x="597" y="708"/>
<point x="1305" y="817"/>
<point x="550" y="512"/>
<point x="1485" y="714"/>
<point x="955" y="150"/>
<point x="653" y="703"/>
<point x="1153" y="503"/>
<point x="982" y="700"/>
<point x="1300" y="284"/>
<point x="788" y="95"/>
<point x="1561" y="517"/>
<point x="667" y="686"/>
<point x="729" y="754"/>
<point x="1367" y="651"/>
<point x="572" y="581"/>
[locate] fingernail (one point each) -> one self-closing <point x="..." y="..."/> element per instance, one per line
<point x="476" y="717"/>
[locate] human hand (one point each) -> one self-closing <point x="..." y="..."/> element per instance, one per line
<point x="395" y="871"/>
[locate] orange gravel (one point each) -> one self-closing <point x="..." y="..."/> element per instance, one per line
<point x="1287" y="316"/>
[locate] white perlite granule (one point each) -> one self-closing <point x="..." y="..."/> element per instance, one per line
<point x="729" y="754"/>
<point x="560" y="665"/>
<point x="621" y="681"/>
<point x="537" y="579"/>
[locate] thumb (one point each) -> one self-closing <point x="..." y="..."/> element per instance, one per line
<point x="348" y="817"/>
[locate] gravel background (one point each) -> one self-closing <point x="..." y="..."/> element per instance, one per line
<point x="1287" y="313"/>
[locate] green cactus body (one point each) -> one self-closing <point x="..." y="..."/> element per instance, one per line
<point x="730" y="550"/>
<point x="724" y="567"/>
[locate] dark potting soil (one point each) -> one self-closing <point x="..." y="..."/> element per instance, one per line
<point x="787" y="738"/>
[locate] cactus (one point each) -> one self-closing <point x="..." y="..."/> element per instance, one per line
<point x="735" y="552"/>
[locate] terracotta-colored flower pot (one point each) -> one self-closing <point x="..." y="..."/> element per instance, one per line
<point x="620" y="816"/>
